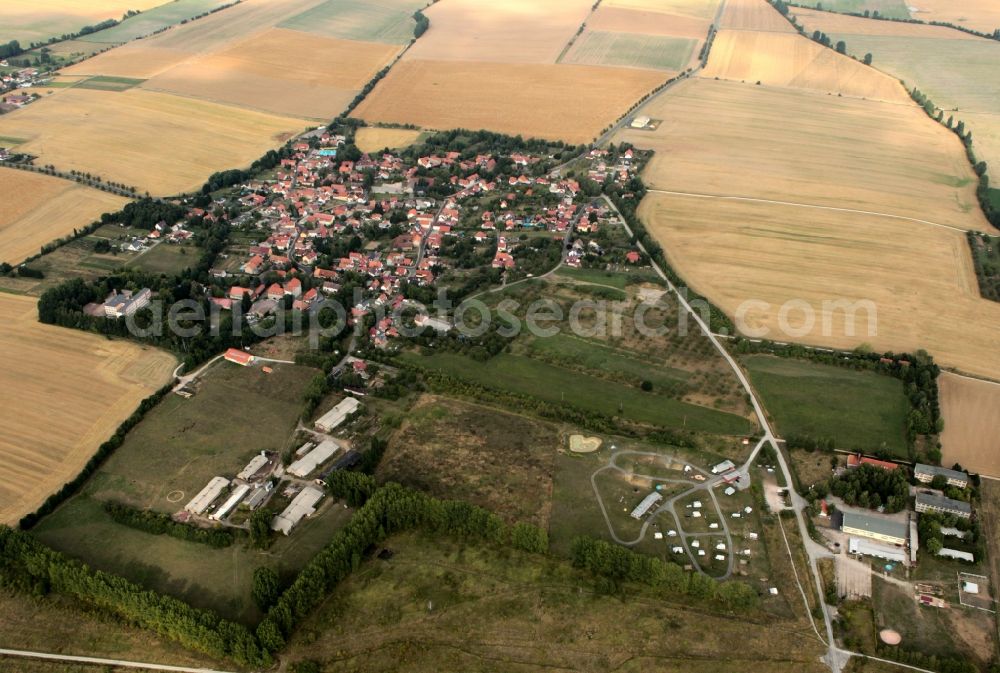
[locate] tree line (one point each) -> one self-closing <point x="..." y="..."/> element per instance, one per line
<point x="157" y="523"/>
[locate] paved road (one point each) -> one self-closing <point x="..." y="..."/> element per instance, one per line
<point x="104" y="662"/>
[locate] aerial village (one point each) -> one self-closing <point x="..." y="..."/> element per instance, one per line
<point x="386" y="226"/>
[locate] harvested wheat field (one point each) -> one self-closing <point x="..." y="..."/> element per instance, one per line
<point x="832" y="23"/>
<point x="964" y="83"/>
<point x="280" y="71"/>
<point x="513" y="31"/>
<point x="154" y="55"/>
<point x="971" y="411"/>
<point x="917" y="278"/>
<point x="37" y="209"/>
<point x="732" y="139"/>
<point x="37" y="20"/>
<point x="790" y="60"/>
<point x="647" y="22"/>
<point x="49" y="436"/>
<point x="373" y="138"/>
<point x="761" y="144"/>
<point x="156" y="142"/>
<point x="704" y="9"/>
<point x="755" y="15"/>
<point x="981" y="15"/>
<point x="558" y="102"/>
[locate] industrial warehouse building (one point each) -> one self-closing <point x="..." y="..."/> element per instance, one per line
<point x="875" y="528"/>
<point x="302" y="506"/>
<point x="857" y="545"/>
<point x="927" y="502"/>
<point x="926" y="474"/>
<point x="336" y="416"/>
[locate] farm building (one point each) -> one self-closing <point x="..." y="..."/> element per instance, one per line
<point x="724" y="466"/>
<point x="646" y="504"/>
<point x="310" y="461"/>
<point x="640" y="122"/>
<point x="303" y="505"/>
<point x="926" y="474"/>
<point x="957" y="555"/>
<point x="856" y="460"/>
<point x="235" y="355"/>
<point x="333" y="418"/>
<point x="258" y="464"/>
<point x="927" y="502"/>
<point x="207" y="495"/>
<point x="875" y="528"/>
<point x="856" y="545"/>
<point x="258" y="496"/>
<point x="345" y="462"/>
<point x="229" y="505"/>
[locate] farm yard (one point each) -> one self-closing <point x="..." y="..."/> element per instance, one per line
<point x="971" y="434"/>
<point x="156" y="142"/>
<point x="963" y="84"/>
<point x="812" y="400"/>
<point x="291" y="69"/>
<point x="37" y="20"/>
<point x="374" y="138"/>
<point x="37" y="209"/>
<point x="523" y="612"/>
<point x="457" y="450"/>
<point x="165" y="461"/>
<point x="572" y="103"/>
<point x="101" y="382"/>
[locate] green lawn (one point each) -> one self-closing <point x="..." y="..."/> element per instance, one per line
<point x="860" y="410"/>
<point x="167" y="258"/>
<point x="548" y="382"/>
<point x="573" y="351"/>
<point x="148" y="22"/>
<point x="389" y="21"/>
<point x="102" y="83"/>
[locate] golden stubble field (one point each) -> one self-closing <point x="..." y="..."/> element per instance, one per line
<point x="373" y="138"/>
<point x="513" y="31"/>
<point x="759" y="143"/>
<point x="37" y="20"/>
<point x="157" y="142"/>
<point x="733" y="139"/>
<point x="753" y="15"/>
<point x="981" y="15"/>
<point x="558" y="102"/>
<point x="68" y="392"/>
<point x="790" y="60"/>
<point x="280" y="71"/>
<point x="648" y="22"/>
<point x="37" y="209"/>
<point x="971" y="411"/>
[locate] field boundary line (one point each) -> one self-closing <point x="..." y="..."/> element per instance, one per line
<point x="104" y="662"/>
<point x="807" y="205"/>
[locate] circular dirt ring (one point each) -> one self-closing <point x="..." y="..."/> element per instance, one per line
<point x="175" y="496"/>
<point x="890" y="636"/>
